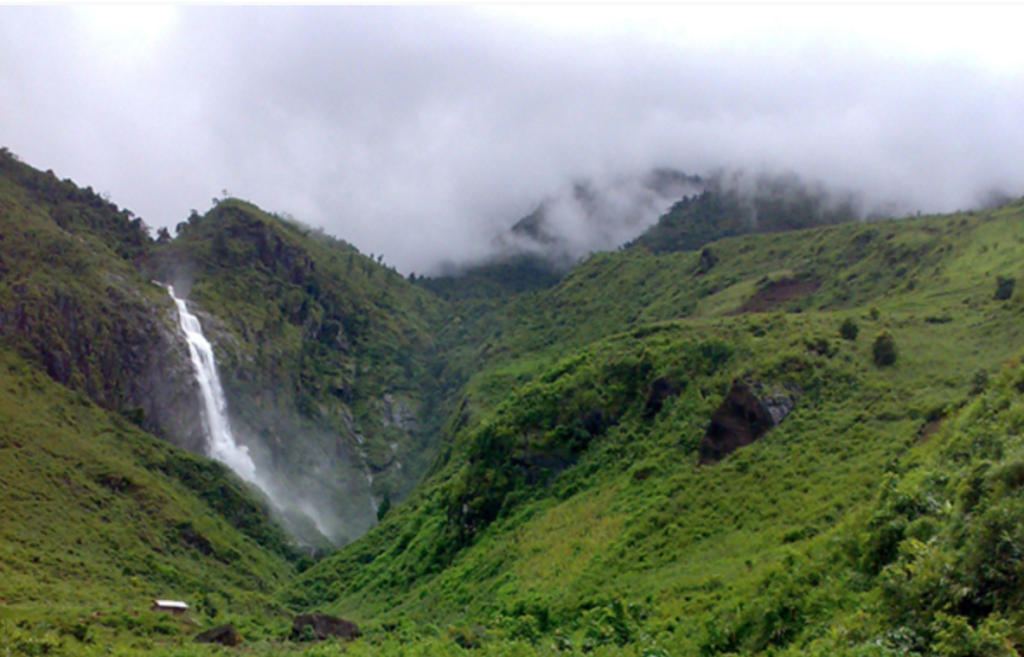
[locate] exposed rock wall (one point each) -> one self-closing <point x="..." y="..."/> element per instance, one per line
<point x="749" y="410"/>
<point x="112" y="345"/>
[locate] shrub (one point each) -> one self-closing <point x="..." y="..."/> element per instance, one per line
<point x="849" y="329"/>
<point x="956" y="638"/>
<point x="385" y="506"/>
<point x="1004" y="288"/>
<point x="979" y="382"/>
<point x="884" y="349"/>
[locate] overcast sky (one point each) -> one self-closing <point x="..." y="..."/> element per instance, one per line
<point x="418" y="133"/>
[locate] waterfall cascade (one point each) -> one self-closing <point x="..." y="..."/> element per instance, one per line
<point x="220" y="442"/>
<point x="298" y="502"/>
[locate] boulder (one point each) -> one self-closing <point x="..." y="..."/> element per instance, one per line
<point x="225" y="635"/>
<point x="747" y="413"/>
<point x="322" y="627"/>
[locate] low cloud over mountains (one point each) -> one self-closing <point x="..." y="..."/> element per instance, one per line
<point x="424" y="133"/>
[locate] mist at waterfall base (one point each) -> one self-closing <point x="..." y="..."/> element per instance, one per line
<point x="304" y="502"/>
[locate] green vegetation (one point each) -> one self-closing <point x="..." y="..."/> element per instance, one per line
<point x="504" y="276"/>
<point x="535" y="444"/>
<point x="884" y="349"/>
<point x="313" y="339"/>
<point x="849" y="330"/>
<point x="80" y="211"/>
<point x="733" y="205"/>
<point x="99" y="518"/>
<point x="70" y="296"/>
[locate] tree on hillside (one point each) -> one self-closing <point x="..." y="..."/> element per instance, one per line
<point x="884" y="349"/>
<point x="849" y="329"/>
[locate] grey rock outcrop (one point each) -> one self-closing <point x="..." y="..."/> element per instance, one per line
<point x="749" y="410"/>
<point x="225" y="635"/>
<point x="321" y="627"/>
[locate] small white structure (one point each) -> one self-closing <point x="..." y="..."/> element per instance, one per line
<point x="176" y="607"/>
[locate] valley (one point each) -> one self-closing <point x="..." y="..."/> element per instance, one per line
<point x="794" y="437"/>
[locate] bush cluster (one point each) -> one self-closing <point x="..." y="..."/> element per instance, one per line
<point x="884" y="350"/>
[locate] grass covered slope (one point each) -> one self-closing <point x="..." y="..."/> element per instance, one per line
<point x="935" y="268"/>
<point x="930" y="567"/>
<point x="577" y="489"/>
<point x="569" y="507"/>
<point x="97" y="516"/>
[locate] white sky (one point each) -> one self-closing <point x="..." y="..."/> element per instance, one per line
<point x="419" y="133"/>
<point x="983" y="33"/>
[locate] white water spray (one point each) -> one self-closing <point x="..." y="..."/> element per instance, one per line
<point x="220" y="443"/>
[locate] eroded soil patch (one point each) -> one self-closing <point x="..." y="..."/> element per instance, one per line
<point x="777" y="293"/>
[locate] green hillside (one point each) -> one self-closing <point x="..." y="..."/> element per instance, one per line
<point x="98" y="518"/>
<point x="795" y="437"/>
<point x="501" y="277"/>
<point x="542" y="523"/>
<point x="73" y="301"/>
<point x="929" y="265"/>
<point x="732" y="205"/>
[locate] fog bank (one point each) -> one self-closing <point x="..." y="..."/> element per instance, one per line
<point x="423" y="133"/>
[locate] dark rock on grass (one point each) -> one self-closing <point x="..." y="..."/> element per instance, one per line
<point x="319" y="627"/>
<point x="746" y="414"/>
<point x="661" y="390"/>
<point x="773" y="294"/>
<point x="225" y="635"/>
<point x="1004" y="288"/>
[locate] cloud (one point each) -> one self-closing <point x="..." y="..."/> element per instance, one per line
<point x="421" y="133"/>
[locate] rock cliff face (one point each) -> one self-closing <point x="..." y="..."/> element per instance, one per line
<point x="73" y="301"/>
<point x="135" y="365"/>
<point x="323" y="354"/>
<point x="749" y="411"/>
<point x="169" y="392"/>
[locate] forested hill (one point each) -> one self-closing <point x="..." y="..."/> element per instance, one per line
<point x="724" y="205"/>
<point x="732" y="205"/>
<point x="787" y="437"/>
<point x="329" y="359"/>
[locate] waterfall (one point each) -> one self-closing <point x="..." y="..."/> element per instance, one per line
<point x="220" y="442"/>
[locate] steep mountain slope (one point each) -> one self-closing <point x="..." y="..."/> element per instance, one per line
<point x="731" y="205"/>
<point x="72" y="300"/>
<point x="331" y="370"/>
<point x="570" y="501"/>
<point x="327" y="358"/>
<point x="98" y="516"/>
